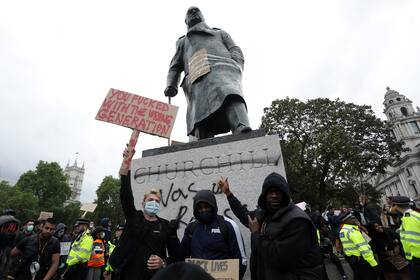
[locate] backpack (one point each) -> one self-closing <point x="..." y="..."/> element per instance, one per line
<point x="222" y="226"/>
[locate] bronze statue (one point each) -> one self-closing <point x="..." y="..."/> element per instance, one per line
<point x="212" y="83"/>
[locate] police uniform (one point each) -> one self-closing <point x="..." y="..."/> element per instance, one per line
<point x="357" y="250"/>
<point x="79" y="254"/>
<point x="410" y="235"/>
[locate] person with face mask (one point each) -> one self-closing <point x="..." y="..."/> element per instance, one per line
<point x="28" y="228"/>
<point x="284" y="242"/>
<point x="65" y="239"/>
<point x="211" y="236"/>
<point x="96" y="262"/>
<point x="80" y="251"/>
<point x="143" y="246"/>
<point x="40" y="253"/>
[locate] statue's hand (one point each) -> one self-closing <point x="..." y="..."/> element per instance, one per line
<point x="170" y="91"/>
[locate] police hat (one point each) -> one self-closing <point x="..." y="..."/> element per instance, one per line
<point x="344" y="217"/>
<point x="400" y="200"/>
<point x="82" y="221"/>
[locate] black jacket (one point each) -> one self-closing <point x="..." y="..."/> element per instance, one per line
<point x="287" y="245"/>
<point x="140" y="239"/>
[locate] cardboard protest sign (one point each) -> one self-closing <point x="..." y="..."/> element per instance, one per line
<point x="45" y="215"/>
<point x="88" y="207"/>
<point x="138" y="112"/>
<point x="220" y="269"/>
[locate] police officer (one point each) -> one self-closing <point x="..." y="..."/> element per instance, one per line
<point x="80" y="252"/>
<point x="357" y="250"/>
<point x="409" y="232"/>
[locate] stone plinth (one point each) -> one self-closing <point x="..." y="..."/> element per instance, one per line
<point x="180" y="171"/>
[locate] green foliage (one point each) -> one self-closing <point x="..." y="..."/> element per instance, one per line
<point x="24" y="204"/>
<point x="326" y="144"/>
<point x="108" y="201"/>
<point x="48" y="183"/>
<point x="68" y="214"/>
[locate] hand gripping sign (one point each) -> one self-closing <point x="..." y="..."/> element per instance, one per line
<point x="139" y="113"/>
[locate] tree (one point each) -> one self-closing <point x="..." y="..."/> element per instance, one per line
<point x="24" y="204"/>
<point x="108" y="201"/>
<point x="326" y="144"/>
<point x="48" y="183"/>
<point x="68" y="214"/>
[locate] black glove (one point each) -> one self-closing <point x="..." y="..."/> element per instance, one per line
<point x="173" y="227"/>
<point x="170" y="91"/>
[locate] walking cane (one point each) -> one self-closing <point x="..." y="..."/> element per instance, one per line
<point x="169" y="139"/>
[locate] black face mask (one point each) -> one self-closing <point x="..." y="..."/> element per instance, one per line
<point x="205" y="217"/>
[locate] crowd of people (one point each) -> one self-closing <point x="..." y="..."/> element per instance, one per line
<point x="287" y="242"/>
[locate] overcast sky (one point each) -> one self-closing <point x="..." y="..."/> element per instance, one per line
<point x="59" y="58"/>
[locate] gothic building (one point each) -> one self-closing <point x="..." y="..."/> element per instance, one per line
<point x="402" y="177"/>
<point x="75" y="179"/>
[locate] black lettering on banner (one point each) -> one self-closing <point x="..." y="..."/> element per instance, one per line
<point x="190" y="188"/>
<point x="181" y="213"/>
<point x="215" y="189"/>
<point x="219" y="266"/>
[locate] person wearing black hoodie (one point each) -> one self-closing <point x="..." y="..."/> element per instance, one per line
<point x="284" y="242"/>
<point x="62" y="235"/>
<point x="212" y="237"/>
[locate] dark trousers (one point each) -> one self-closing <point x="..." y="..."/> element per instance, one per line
<point x="233" y="112"/>
<point x="76" y="272"/>
<point x="361" y="268"/>
<point x="415" y="268"/>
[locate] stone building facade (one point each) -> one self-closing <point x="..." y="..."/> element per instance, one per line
<point x="402" y="177"/>
<point x="75" y="176"/>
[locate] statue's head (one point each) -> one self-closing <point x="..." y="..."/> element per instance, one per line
<point x="193" y="16"/>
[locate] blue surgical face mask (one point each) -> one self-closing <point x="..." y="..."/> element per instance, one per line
<point x="30" y="228"/>
<point x="151" y="207"/>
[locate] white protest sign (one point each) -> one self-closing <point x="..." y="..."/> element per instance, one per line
<point x="65" y="248"/>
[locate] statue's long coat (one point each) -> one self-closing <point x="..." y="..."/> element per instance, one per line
<point x="207" y="94"/>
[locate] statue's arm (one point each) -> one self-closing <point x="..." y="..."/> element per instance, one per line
<point x="175" y="69"/>
<point x="234" y="50"/>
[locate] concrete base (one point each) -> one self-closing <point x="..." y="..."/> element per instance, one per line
<point x="180" y="171"/>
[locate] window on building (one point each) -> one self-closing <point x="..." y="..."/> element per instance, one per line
<point x="413" y="186"/>
<point x="398" y="99"/>
<point x="404" y="111"/>
<point x="408" y="171"/>
<point x="393" y="134"/>
<point x="415" y="127"/>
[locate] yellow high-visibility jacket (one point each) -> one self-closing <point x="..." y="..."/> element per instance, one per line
<point x="410" y="234"/>
<point x="111" y="249"/>
<point x="355" y="245"/>
<point x="80" y="249"/>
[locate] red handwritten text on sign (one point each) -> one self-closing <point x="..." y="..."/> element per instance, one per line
<point x="138" y="112"/>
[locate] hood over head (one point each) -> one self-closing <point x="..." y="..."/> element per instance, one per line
<point x="59" y="227"/>
<point x="204" y="196"/>
<point x="277" y="181"/>
<point x="104" y="222"/>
